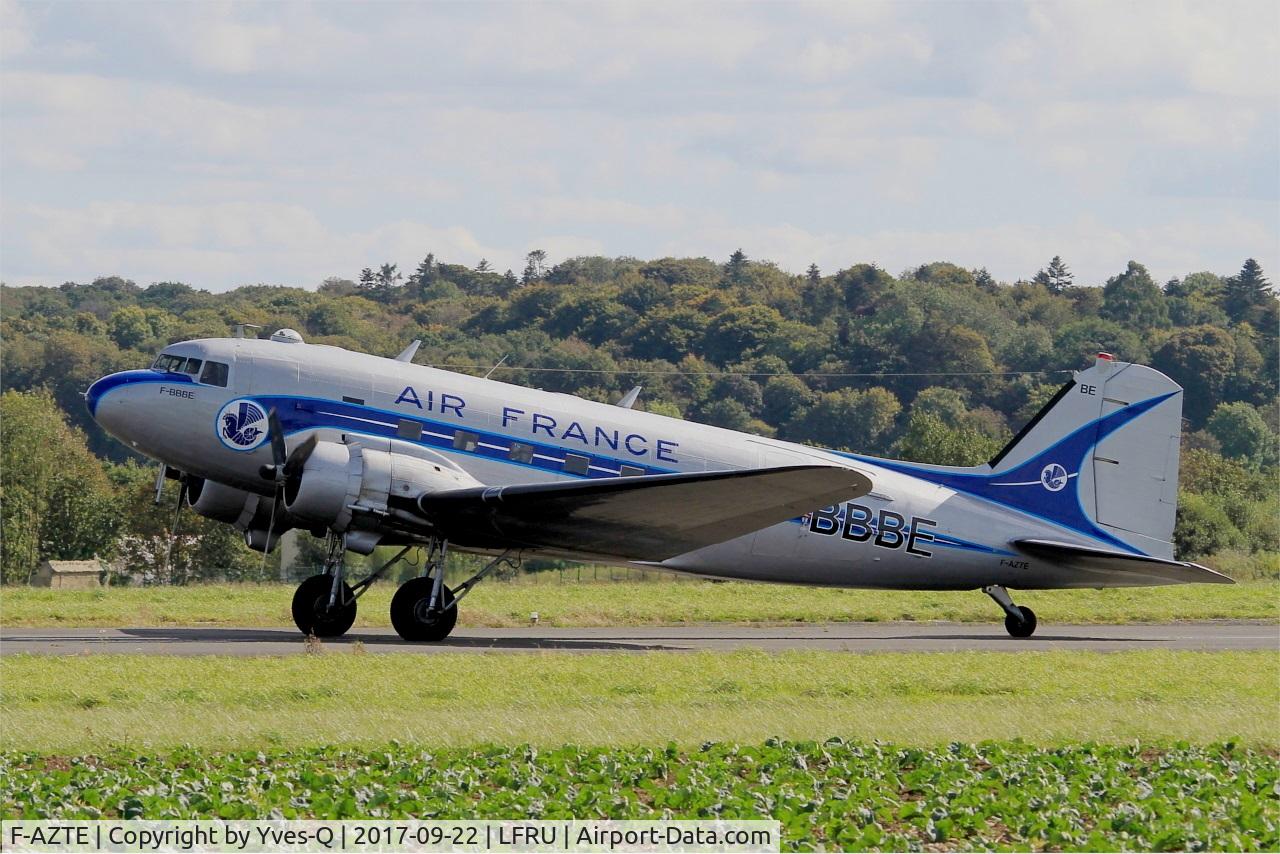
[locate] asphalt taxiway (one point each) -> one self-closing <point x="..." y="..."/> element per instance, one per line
<point x="851" y="637"/>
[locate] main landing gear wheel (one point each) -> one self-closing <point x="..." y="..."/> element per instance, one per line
<point x="1021" y="628"/>
<point x="311" y="611"/>
<point x="413" y="617"/>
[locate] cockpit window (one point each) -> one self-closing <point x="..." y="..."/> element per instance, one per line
<point x="192" y="367"/>
<point x="215" y="373"/>
<point x="169" y="363"/>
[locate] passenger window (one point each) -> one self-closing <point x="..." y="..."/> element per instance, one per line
<point x="521" y="453"/>
<point x="193" y="367"/>
<point x="214" y="373"/>
<point x="576" y="463"/>
<point x="409" y="430"/>
<point x="631" y="471"/>
<point x="464" y="441"/>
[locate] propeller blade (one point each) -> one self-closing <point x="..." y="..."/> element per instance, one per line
<point x="298" y="459"/>
<point x="278" y="453"/>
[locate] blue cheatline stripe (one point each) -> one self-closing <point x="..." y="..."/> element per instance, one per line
<point x="300" y="413"/>
<point x="111" y="382"/>
<point x="1062" y="508"/>
<point x="946" y="541"/>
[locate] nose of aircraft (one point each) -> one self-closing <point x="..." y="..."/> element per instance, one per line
<point x="93" y="396"/>
<point x="107" y="408"/>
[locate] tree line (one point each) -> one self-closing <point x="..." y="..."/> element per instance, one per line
<point x="938" y="363"/>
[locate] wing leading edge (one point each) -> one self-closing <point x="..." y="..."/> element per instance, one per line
<point x="1120" y="568"/>
<point x="647" y="518"/>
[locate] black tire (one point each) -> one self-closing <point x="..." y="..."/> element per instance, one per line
<point x="1023" y="628"/>
<point x="411" y="618"/>
<point x="312" y="614"/>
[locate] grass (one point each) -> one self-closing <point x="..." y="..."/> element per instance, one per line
<point x="77" y="704"/>
<point x="639" y="603"/>
<point x="834" y="795"/>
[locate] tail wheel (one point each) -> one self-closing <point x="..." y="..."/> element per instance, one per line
<point x="413" y="617"/>
<point x="311" y="611"/>
<point x="1023" y="628"/>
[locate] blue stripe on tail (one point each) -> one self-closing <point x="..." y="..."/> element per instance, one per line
<point x="1046" y="486"/>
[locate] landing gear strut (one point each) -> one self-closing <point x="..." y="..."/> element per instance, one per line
<point x="324" y="605"/>
<point x="1019" y="621"/>
<point x="425" y="609"/>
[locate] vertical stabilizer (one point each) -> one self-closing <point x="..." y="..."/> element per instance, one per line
<point x="1101" y="457"/>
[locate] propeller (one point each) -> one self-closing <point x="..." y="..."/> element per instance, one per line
<point x="284" y="468"/>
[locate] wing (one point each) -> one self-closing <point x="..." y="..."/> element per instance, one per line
<point x="637" y="518"/>
<point x="1121" y="568"/>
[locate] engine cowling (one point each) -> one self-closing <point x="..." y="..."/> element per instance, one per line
<point x="214" y="500"/>
<point x="345" y="485"/>
<point x="248" y="512"/>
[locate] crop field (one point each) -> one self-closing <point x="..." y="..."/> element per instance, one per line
<point x="79" y="704"/>
<point x="640" y="603"/>
<point x="832" y="794"/>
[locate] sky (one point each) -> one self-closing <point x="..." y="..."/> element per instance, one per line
<point x="284" y="143"/>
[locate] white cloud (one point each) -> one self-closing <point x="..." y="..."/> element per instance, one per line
<point x="289" y="141"/>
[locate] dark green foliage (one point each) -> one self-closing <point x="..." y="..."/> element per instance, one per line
<point x="1134" y="299"/>
<point x="1247" y="296"/>
<point x="1243" y="434"/>
<point x="834" y="795"/>
<point x="1056" y="278"/>
<point x="57" y="503"/>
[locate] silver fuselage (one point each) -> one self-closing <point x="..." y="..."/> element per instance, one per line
<point x="907" y="533"/>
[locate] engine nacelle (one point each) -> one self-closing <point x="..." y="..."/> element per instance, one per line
<point x="247" y="511"/>
<point x="342" y="481"/>
<point x="214" y="500"/>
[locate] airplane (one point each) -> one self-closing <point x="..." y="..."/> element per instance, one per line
<point x="271" y="434"/>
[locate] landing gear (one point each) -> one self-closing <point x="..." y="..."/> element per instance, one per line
<point x="325" y="605"/>
<point x="1019" y="621"/>
<point x="415" y="618"/>
<point x="314" y="615"/>
<point x="425" y="609"/>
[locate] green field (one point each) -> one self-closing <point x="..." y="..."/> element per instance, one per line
<point x="86" y="703"/>
<point x="640" y="603"/>
<point x="832" y="794"/>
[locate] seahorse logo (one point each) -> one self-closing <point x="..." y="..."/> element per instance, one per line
<point x="1053" y="477"/>
<point x="242" y="425"/>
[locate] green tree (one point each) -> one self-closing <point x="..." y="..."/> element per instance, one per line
<point x="56" y="503"/>
<point x="1200" y="359"/>
<point x="131" y="328"/>
<point x="535" y="267"/>
<point x="727" y="413"/>
<point x="863" y="286"/>
<point x="928" y="439"/>
<point x="849" y="419"/>
<point x="1056" y="278"/>
<point x="785" y="398"/>
<point x="1243" y="434"/>
<point x="735" y="271"/>
<point x="1202" y="527"/>
<point x="1133" y="299"/>
<point x="1247" y="293"/>
<point x="740" y="332"/>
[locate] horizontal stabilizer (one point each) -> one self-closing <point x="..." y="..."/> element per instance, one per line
<point x="1120" y="569"/>
<point x="651" y="518"/>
